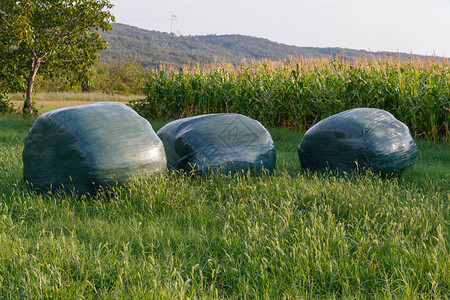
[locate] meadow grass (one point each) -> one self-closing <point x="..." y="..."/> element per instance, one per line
<point x="293" y="234"/>
<point x="46" y="101"/>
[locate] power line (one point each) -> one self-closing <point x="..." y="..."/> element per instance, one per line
<point x="194" y="27"/>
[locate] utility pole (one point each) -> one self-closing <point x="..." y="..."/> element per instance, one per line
<point x="172" y="25"/>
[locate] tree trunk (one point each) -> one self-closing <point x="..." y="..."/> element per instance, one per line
<point x="28" y="105"/>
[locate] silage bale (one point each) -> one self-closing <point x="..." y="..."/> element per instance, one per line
<point x="360" y="138"/>
<point x="81" y="148"/>
<point x="225" y="143"/>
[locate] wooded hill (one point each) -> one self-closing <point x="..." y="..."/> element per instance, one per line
<point x="153" y="48"/>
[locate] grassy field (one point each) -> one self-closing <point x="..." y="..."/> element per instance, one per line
<point x="294" y="234"/>
<point x="50" y="101"/>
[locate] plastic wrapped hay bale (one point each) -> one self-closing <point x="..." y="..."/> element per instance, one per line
<point x="358" y="138"/>
<point x="88" y="146"/>
<point x="226" y="143"/>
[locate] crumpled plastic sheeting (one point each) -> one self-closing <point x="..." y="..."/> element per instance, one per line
<point x="356" y="139"/>
<point x="84" y="147"/>
<point x="225" y="143"/>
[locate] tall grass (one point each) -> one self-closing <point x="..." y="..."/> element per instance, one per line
<point x="293" y="234"/>
<point x="299" y="93"/>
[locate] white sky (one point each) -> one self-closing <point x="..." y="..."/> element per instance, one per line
<point x="417" y="26"/>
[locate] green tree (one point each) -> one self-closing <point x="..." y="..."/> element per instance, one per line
<point x="54" y="37"/>
<point x="128" y="77"/>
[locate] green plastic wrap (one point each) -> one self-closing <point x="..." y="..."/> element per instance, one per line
<point x="84" y="147"/>
<point x="360" y="138"/>
<point x="225" y="143"/>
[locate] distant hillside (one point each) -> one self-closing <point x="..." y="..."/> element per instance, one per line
<point x="153" y="48"/>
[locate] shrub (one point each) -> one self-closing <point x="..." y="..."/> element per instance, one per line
<point x="5" y="105"/>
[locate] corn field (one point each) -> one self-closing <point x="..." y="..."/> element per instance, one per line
<point x="298" y="93"/>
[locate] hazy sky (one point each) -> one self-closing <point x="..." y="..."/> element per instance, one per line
<point x="418" y="26"/>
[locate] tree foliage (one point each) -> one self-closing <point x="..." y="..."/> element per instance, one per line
<point x="124" y="78"/>
<point x="54" y="37"/>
